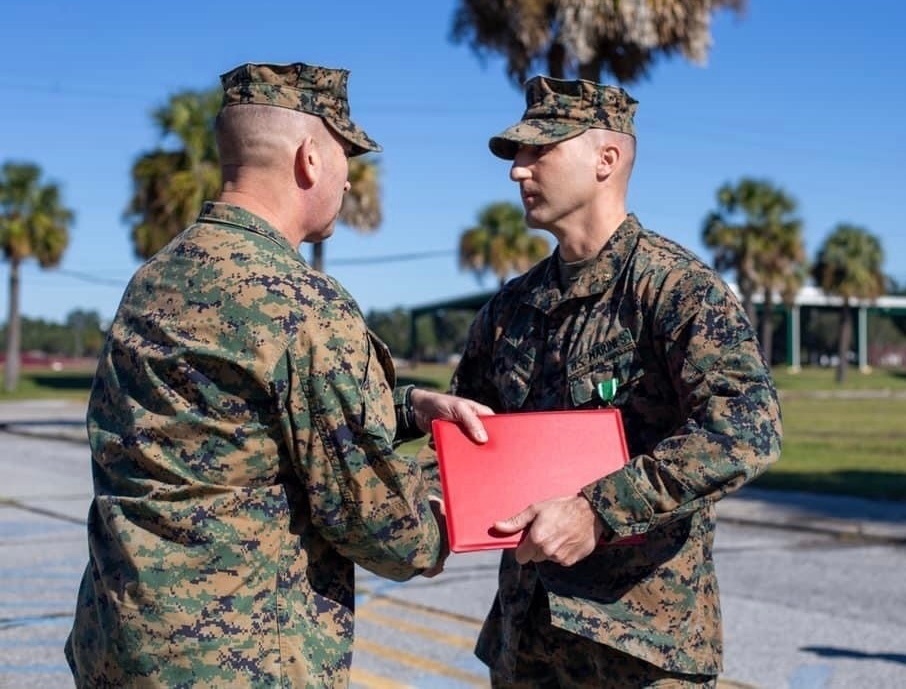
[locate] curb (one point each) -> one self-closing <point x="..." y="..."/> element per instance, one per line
<point x="733" y="684"/>
<point x="58" y="432"/>
<point x="857" y="531"/>
<point x="848" y="518"/>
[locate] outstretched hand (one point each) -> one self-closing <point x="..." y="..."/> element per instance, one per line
<point x="562" y="530"/>
<point x="429" y="405"/>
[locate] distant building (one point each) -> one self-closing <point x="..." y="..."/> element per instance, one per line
<point x="806" y="298"/>
<point x="812" y="297"/>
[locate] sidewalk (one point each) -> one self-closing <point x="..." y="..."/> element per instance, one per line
<point x="858" y="518"/>
<point x="53" y="419"/>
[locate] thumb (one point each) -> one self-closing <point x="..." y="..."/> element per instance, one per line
<point x="471" y="421"/>
<point x="517" y="522"/>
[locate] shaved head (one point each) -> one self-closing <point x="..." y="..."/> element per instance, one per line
<point x="262" y="136"/>
<point x="284" y="165"/>
<point x="625" y="142"/>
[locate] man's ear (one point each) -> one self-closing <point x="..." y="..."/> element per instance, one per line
<point x="609" y="155"/>
<point x="307" y="163"/>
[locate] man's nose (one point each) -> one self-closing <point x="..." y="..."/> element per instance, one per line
<point x="518" y="172"/>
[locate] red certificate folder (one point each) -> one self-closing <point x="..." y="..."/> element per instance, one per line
<point x="529" y="457"/>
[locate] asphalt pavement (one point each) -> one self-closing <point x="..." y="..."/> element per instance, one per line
<point x="884" y="521"/>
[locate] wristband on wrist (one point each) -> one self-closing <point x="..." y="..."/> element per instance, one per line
<point x="409" y="410"/>
<point x="406" y="426"/>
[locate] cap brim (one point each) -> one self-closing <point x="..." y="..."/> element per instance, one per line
<point x="533" y="133"/>
<point x="355" y="135"/>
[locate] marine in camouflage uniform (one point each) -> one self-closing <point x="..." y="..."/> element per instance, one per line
<point x="242" y="425"/>
<point x="701" y="419"/>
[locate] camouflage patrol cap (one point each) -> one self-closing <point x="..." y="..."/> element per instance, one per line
<point x="315" y="90"/>
<point x="557" y="109"/>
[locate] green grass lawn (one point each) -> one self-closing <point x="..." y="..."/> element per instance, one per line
<point x="48" y="384"/>
<point x="814" y="379"/>
<point x="848" y="439"/>
<point x="854" y="446"/>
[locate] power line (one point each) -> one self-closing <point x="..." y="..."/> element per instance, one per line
<point x="389" y="258"/>
<point x="87" y="277"/>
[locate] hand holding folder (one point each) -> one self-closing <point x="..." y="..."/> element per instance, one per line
<point x="529" y="457"/>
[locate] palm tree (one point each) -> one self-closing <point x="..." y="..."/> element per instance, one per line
<point x="783" y="270"/>
<point x="781" y="264"/>
<point x="500" y="243"/>
<point x="361" y="209"/>
<point x="753" y="233"/>
<point x="34" y="223"/>
<point x="849" y="266"/>
<point x="587" y="37"/>
<point x="169" y="185"/>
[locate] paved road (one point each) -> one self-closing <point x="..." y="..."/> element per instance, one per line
<point x="811" y="587"/>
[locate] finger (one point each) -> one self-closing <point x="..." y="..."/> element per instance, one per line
<point x="438" y="508"/>
<point x="481" y="409"/>
<point x="517" y="522"/>
<point x="524" y="553"/>
<point x="470" y="418"/>
<point x="527" y="551"/>
<point x="474" y="428"/>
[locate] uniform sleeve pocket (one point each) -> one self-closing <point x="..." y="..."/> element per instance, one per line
<point x="512" y="374"/>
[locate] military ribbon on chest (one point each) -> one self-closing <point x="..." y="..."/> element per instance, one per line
<point x="607" y="389"/>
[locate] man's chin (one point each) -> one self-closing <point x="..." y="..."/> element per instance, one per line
<point x="533" y="222"/>
<point x="318" y="237"/>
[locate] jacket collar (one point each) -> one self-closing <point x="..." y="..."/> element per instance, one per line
<point x="597" y="277"/>
<point x="227" y="214"/>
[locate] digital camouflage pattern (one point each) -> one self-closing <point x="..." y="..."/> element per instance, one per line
<point x="312" y="89"/>
<point x="557" y="109"/>
<point x="241" y="426"/>
<point x="552" y="657"/>
<point x="701" y="419"/>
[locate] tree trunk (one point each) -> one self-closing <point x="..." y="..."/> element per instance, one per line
<point x="78" y="346"/>
<point x="749" y="307"/>
<point x="846" y="332"/>
<point x="13" y="331"/>
<point x="317" y="256"/>
<point x="556" y="60"/>
<point x="767" y="326"/>
<point x="590" y="70"/>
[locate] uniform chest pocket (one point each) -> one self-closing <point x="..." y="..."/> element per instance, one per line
<point x="613" y="359"/>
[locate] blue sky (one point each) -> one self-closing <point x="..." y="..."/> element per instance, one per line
<point x="809" y="96"/>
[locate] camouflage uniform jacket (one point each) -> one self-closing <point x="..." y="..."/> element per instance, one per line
<point x="701" y="418"/>
<point x="241" y="426"/>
